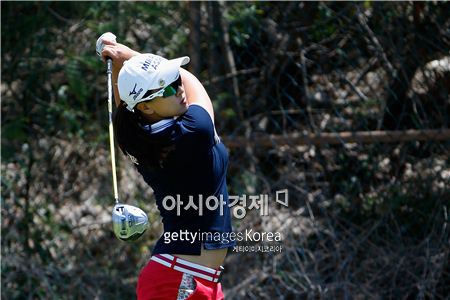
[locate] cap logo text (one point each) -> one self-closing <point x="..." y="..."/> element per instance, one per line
<point x="152" y="61"/>
<point x="138" y="93"/>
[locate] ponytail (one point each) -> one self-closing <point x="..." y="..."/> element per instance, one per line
<point x="144" y="150"/>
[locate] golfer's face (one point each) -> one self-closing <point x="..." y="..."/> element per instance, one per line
<point x="174" y="105"/>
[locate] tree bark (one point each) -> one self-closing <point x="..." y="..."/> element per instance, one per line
<point x="194" y="36"/>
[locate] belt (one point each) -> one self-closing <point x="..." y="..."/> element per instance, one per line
<point x="188" y="267"/>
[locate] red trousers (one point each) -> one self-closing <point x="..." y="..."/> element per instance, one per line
<point x="161" y="282"/>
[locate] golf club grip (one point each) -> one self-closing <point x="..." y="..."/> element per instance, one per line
<point x="111" y="129"/>
<point x="110" y="88"/>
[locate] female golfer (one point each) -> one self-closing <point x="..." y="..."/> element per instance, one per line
<point x="164" y="123"/>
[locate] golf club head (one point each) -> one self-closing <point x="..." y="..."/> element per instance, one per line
<point x="129" y="222"/>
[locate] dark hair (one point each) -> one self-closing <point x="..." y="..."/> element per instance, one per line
<point x="148" y="151"/>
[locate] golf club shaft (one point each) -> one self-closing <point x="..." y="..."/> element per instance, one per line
<point x="111" y="130"/>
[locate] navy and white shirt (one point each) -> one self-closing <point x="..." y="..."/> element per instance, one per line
<point x="195" y="171"/>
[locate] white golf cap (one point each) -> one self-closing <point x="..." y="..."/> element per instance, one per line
<point x="145" y="72"/>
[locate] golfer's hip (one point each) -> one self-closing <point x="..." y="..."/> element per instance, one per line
<point x="169" y="277"/>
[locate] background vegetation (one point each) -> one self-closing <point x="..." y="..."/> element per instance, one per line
<point x="366" y="219"/>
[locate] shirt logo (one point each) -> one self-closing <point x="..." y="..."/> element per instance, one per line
<point x="134" y="90"/>
<point x="133" y="159"/>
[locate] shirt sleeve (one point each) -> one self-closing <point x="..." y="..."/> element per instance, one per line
<point x="197" y="126"/>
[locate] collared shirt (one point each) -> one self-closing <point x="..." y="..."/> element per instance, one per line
<point x="194" y="175"/>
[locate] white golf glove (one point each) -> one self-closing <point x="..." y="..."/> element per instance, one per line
<point x="99" y="45"/>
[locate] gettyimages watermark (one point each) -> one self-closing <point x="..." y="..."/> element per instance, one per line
<point x="239" y="204"/>
<point x="269" y="241"/>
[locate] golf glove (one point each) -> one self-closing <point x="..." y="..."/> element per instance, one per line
<point x="99" y="45"/>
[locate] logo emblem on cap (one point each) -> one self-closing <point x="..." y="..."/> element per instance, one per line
<point x="161" y="82"/>
<point x="133" y="91"/>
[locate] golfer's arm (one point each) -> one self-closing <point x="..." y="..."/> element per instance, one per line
<point x="117" y="65"/>
<point x="195" y="92"/>
<point x="115" y="76"/>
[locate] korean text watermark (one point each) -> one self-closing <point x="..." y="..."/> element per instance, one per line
<point x="239" y="204"/>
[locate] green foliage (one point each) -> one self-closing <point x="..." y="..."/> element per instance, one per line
<point x="243" y="19"/>
<point x="16" y="129"/>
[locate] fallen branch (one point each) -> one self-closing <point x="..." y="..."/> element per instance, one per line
<point x="336" y="138"/>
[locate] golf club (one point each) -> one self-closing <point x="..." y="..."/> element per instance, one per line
<point x="129" y="222"/>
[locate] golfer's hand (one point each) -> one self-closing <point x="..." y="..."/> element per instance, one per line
<point x="117" y="52"/>
<point x="99" y="44"/>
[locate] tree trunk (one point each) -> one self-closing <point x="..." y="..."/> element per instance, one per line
<point x="194" y="37"/>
